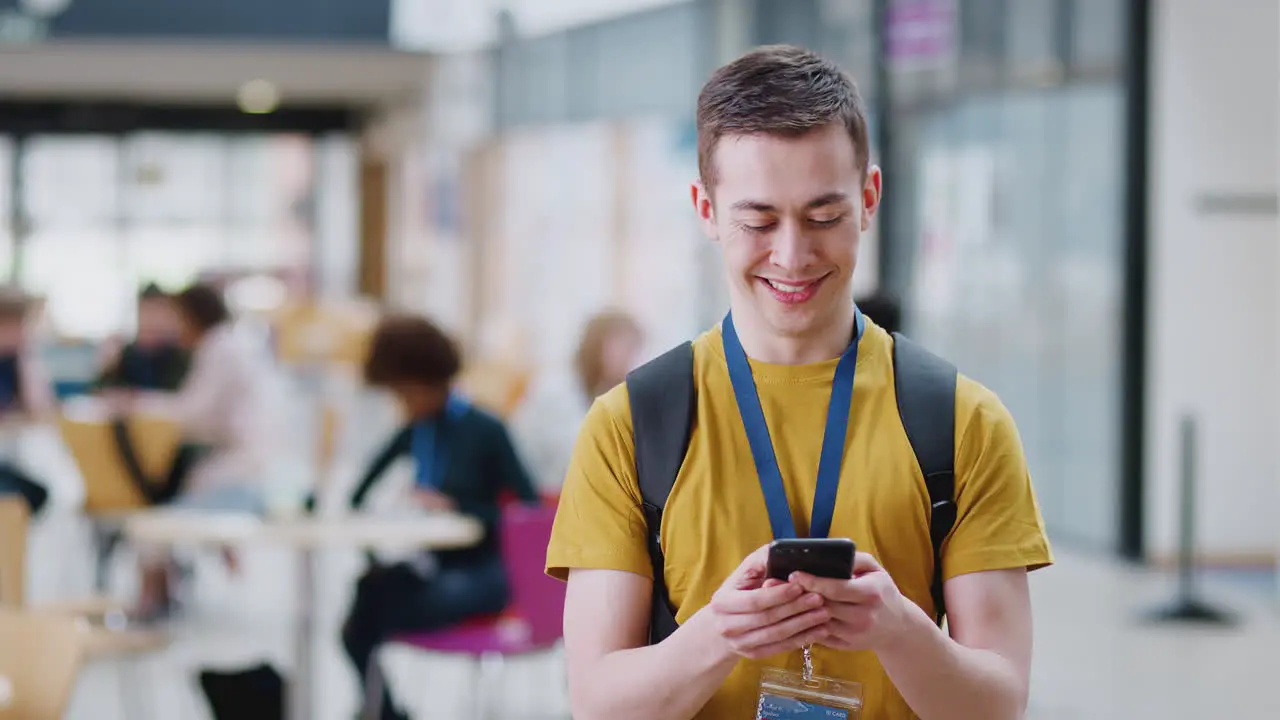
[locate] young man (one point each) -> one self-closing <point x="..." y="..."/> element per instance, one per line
<point x="786" y="191"/>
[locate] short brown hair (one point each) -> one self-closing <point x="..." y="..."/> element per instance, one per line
<point x="14" y="305"/>
<point x="203" y="306"/>
<point x="410" y="349"/>
<point x="589" y="360"/>
<point x="778" y="90"/>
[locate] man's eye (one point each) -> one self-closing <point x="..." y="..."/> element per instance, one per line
<point x="827" y="222"/>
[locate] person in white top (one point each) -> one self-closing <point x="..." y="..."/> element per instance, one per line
<point x="227" y="404"/>
<point x="546" y="424"/>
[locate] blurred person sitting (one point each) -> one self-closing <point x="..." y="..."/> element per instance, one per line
<point x="225" y="404"/>
<point x="155" y="359"/>
<point x="465" y="463"/>
<point x="26" y="393"/>
<point x="546" y="425"/>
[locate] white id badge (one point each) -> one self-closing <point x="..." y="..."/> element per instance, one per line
<point x="787" y="695"/>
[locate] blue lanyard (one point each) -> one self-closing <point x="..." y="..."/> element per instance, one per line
<point x="431" y="455"/>
<point x="775" y="493"/>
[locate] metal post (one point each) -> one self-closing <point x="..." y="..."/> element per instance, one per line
<point x="1187" y="607"/>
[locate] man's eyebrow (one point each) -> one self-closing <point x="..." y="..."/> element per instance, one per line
<point x="754" y="206"/>
<point x="831" y="198"/>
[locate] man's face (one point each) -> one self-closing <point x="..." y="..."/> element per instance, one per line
<point x="788" y="214"/>
<point x="157" y="322"/>
<point x="12" y="335"/>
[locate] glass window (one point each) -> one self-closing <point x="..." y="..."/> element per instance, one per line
<point x="71" y="181"/>
<point x="1099" y="29"/>
<point x="109" y="213"/>
<point x="1032" y="49"/>
<point x="76" y="270"/>
<point x="175" y="178"/>
<point x="6" y="210"/>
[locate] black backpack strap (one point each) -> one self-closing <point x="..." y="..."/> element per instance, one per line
<point x="149" y="487"/>
<point x="926" y="391"/>
<point x="662" y="409"/>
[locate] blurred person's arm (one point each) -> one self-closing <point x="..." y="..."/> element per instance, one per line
<point x="111" y="365"/>
<point x="397" y="446"/>
<point x="511" y="472"/>
<point x="38" y="397"/>
<point x="196" y="404"/>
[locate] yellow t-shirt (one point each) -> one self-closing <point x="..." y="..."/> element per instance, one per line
<point x="716" y="516"/>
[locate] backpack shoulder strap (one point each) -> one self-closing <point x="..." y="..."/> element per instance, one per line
<point x="662" y="399"/>
<point x="926" y="390"/>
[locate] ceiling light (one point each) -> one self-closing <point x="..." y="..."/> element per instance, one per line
<point x="258" y="97"/>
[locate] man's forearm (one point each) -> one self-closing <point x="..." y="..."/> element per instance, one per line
<point x="668" y="681"/>
<point x="940" y="678"/>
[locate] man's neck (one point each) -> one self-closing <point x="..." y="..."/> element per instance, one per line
<point x="825" y="341"/>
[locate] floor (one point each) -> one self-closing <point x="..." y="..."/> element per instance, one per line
<point x="1096" y="657"/>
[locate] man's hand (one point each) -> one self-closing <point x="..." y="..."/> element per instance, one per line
<point x="119" y="402"/>
<point x="433" y="500"/>
<point x="759" y="618"/>
<point x="867" y="612"/>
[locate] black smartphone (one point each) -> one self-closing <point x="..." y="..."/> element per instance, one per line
<point x="822" y="557"/>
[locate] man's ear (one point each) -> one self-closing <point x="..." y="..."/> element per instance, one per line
<point x="871" y="194"/>
<point x="705" y="209"/>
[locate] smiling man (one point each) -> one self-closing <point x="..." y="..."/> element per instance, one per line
<point x="795" y="430"/>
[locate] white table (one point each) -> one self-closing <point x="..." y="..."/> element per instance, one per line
<point x="306" y="534"/>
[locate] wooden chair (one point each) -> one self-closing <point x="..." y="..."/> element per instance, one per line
<point x="110" y="492"/>
<point x="324" y="333"/>
<point x="107" y="484"/>
<point x="14" y="519"/>
<point x="40" y="658"/>
<point x="44" y="696"/>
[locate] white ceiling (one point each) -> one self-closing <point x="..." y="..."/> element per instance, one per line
<point x="204" y="73"/>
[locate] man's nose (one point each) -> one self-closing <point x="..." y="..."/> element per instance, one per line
<point x="792" y="249"/>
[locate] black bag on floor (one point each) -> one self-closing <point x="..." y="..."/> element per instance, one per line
<point x="256" y="693"/>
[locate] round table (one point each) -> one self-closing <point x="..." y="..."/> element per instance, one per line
<point x="306" y="534"/>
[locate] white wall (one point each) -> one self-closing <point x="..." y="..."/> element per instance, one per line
<point x="1213" y="313"/>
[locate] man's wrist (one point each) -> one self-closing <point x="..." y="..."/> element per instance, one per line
<point x="706" y="641"/>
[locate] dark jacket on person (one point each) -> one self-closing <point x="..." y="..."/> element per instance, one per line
<point x="161" y="369"/>
<point x="482" y="470"/>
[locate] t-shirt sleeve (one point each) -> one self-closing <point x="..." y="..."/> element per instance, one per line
<point x="599" y="522"/>
<point x="998" y="524"/>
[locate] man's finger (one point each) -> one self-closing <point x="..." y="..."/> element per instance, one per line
<point x="751" y="570"/>
<point x="743" y="602"/>
<point x="740" y="624"/>
<point x="864" y="563"/>
<point x="787" y="630"/>
<point x="847" y="591"/>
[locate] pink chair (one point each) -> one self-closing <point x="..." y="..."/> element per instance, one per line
<point x="533" y="621"/>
